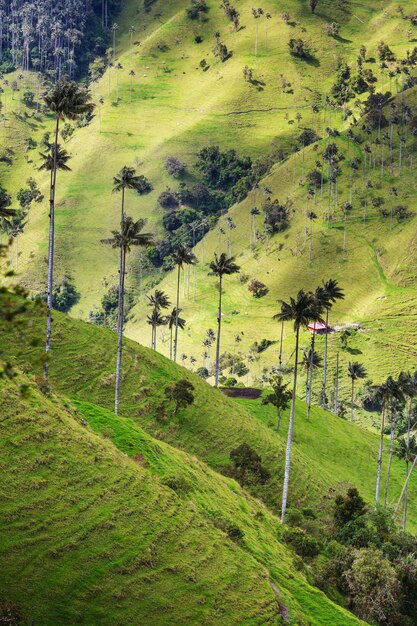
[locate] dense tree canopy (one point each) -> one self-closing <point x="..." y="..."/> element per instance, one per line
<point x="56" y="36"/>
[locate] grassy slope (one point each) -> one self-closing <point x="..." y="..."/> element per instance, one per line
<point x="99" y="538"/>
<point x="175" y="109"/>
<point x="378" y="273"/>
<point x="328" y="452"/>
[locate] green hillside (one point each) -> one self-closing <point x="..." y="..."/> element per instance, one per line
<point x="101" y="538"/>
<point x="172" y="107"/>
<point x="283" y="138"/>
<point x="376" y="270"/>
<point x="328" y="453"/>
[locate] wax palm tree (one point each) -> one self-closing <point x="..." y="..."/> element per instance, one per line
<point x="114" y="29"/>
<point x="221" y="266"/>
<point x="311" y="216"/>
<point x="126" y="179"/>
<point x="158" y="300"/>
<point x="397" y="398"/>
<point x="334" y="293"/>
<point x="48" y="160"/>
<point x="323" y="301"/>
<point x="254" y="212"/>
<point x="5" y="202"/>
<point x="173" y="319"/>
<point x="355" y="371"/>
<point x="118" y="67"/>
<point x="311" y="361"/>
<point x="408" y="384"/>
<point x="182" y="256"/>
<point x="66" y="100"/>
<point x="384" y="395"/>
<point x="132" y="75"/>
<point x="406" y="451"/>
<point x="301" y="311"/>
<point x="14" y="227"/>
<point x="155" y="319"/>
<point x="130" y="235"/>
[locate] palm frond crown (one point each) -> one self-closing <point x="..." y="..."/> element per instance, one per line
<point x="223" y="266"/>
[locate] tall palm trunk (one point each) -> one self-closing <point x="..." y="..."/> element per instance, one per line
<point x="410" y="408"/>
<point x="381" y="447"/>
<point x="336" y="386"/>
<point x="352" y="406"/>
<point x="391" y="454"/>
<point x="176" y="314"/>
<point x="219" y="326"/>
<point x="120" y="320"/>
<point x="310" y="376"/>
<point x="51" y="251"/>
<point x="279" y="369"/>
<point x="170" y="344"/>
<point x="405" y="484"/>
<point x="289" y="436"/>
<point x="323" y="389"/>
<point x="123" y="205"/>
<point x="280" y="346"/>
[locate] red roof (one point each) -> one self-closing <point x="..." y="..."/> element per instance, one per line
<point x="317" y="326"/>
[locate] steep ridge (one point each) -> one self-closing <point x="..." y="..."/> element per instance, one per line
<point x="100" y="538"/>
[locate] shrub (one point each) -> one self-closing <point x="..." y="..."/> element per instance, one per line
<point x="247" y="466"/>
<point x="374" y="586"/>
<point x="315" y="178"/>
<point x="303" y="544"/>
<point x="168" y="199"/>
<point x="277" y="216"/>
<point x="174" y="167"/>
<point x="29" y="98"/>
<point x="177" y="483"/>
<point x="197" y="9"/>
<point x="181" y="393"/>
<point x="67" y="131"/>
<point x="241" y="369"/>
<point x="332" y="29"/>
<point x="64" y="295"/>
<point x="299" y="48"/>
<point x="262" y="345"/>
<point x="385" y="53"/>
<point x="257" y="288"/>
<point x="144" y="185"/>
<point x="348" y="508"/>
<point x="308" y="136"/>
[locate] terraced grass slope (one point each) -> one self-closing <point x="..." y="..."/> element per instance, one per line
<point x="90" y="536"/>
<point x="328" y="453"/>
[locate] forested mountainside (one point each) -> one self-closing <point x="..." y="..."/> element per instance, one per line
<point x="57" y="37"/>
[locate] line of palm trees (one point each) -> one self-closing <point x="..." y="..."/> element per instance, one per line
<point x="310" y="308"/>
<point x="397" y="396"/>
